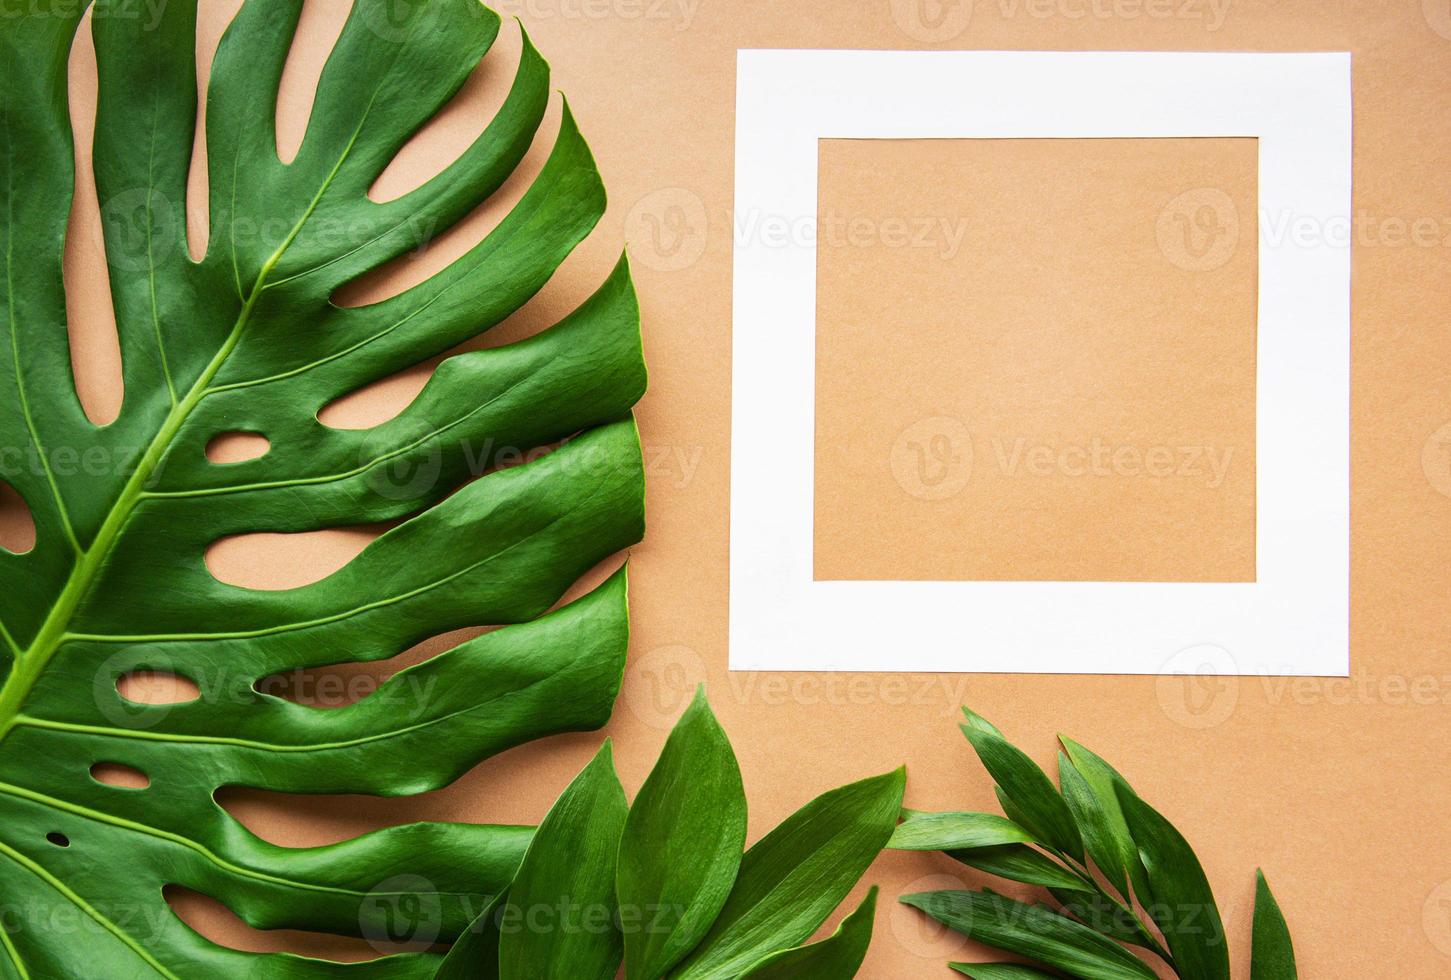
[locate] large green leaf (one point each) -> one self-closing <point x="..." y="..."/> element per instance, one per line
<point x="247" y="339"/>
<point x="1034" y="932"/>
<point x="1180" y="899"/>
<point x="559" y="920"/>
<point x="792" y="878"/>
<point x="837" y="957"/>
<point x="681" y="846"/>
<point x="1274" y="953"/>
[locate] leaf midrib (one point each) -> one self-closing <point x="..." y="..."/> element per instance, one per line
<point x="53" y="633"/>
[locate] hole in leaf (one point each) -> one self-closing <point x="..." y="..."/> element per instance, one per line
<point x="214" y="921"/>
<point x="17" y="524"/>
<point x="58" y="839"/>
<point x="237" y="447"/>
<point x="156" y="687"/>
<point x="317" y="31"/>
<point x="95" y="346"/>
<point x="321" y="820"/>
<point x="504" y="789"/>
<point x="271" y="562"/>
<point x="120" y="775"/>
<point x="341" y="685"/>
<point x="378" y="402"/>
<point x="212" y="19"/>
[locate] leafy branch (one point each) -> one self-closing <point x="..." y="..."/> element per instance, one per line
<point x="1126" y="887"/>
<point x="663" y="885"/>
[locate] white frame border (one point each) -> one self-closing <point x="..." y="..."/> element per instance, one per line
<point x="1294" y="620"/>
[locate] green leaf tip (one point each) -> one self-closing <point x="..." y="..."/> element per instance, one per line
<point x="1273" y="953"/>
<point x="978" y="722"/>
<point x="682" y="844"/>
<point x="791" y="879"/>
<point x="1182" y="901"/>
<point x="1029" y="796"/>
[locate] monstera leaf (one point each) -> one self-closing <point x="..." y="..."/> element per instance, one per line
<point x="248" y="340"/>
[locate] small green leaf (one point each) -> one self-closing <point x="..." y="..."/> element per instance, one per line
<point x="1274" y="954"/>
<point x="1117" y="855"/>
<point x="1099" y="837"/>
<point x="1001" y="971"/>
<point x="1010" y="808"/>
<point x="682" y="845"/>
<point x="475" y="954"/>
<point x="920" y="831"/>
<point x="559" y="920"/>
<point x="793" y="877"/>
<point x="837" y="957"/>
<point x="1018" y="862"/>
<point x="1180" y="899"/>
<point x="1033" y="794"/>
<point x="1033" y="932"/>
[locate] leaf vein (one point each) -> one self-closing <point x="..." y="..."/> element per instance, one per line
<point x="91" y="911"/>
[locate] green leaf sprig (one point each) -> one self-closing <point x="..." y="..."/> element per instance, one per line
<point x="1126" y="886"/>
<point x="666" y="888"/>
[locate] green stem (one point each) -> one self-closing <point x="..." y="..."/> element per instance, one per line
<point x="90" y="560"/>
<point x="52" y="633"/>
<point x="29" y="664"/>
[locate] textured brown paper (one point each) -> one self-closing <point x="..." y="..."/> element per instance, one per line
<point x="1337" y="788"/>
<point x="1035" y="360"/>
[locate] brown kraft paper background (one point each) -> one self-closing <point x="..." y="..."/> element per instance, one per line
<point x="1337" y="788"/>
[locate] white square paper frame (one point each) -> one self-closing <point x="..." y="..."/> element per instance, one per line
<point x="1294" y="619"/>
